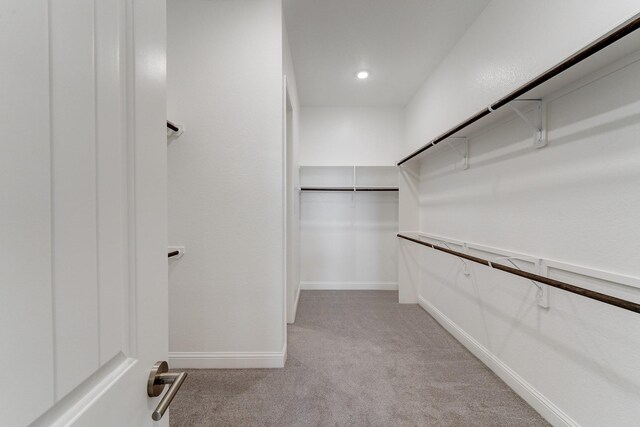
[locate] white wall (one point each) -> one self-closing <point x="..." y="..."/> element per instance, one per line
<point x="225" y="183"/>
<point x="348" y="240"/>
<point x="408" y="220"/>
<point x="346" y="136"/>
<point x="572" y="202"/>
<point x="292" y="181"/>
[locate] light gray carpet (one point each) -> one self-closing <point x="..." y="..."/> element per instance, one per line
<point x="357" y="358"/>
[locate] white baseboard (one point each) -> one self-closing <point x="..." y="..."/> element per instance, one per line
<point x="227" y="360"/>
<point x="360" y="286"/>
<point x="533" y="397"/>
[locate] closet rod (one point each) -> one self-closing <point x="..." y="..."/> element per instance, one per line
<point x="574" y="59"/>
<point x="172" y="126"/>
<point x="607" y="299"/>
<point x="172" y="254"/>
<point x="346" y="189"/>
<point x="324" y="189"/>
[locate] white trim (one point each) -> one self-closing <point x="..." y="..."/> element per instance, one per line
<point x="228" y="360"/>
<point x="361" y="286"/>
<point x="294" y="311"/>
<point x="285" y="219"/>
<point x="532" y="396"/>
<point x="71" y="407"/>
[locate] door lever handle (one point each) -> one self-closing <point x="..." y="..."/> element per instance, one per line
<point x="158" y="378"/>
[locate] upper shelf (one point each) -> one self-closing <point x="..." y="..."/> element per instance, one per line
<point x="621" y="41"/>
<point x="348" y="178"/>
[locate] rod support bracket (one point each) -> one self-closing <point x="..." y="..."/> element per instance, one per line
<point x="542" y="295"/>
<point x="539" y="268"/>
<point x="465" y="249"/>
<point x="539" y="123"/>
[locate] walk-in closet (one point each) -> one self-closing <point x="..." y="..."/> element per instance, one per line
<point x="493" y="190"/>
<point x="320" y="213"/>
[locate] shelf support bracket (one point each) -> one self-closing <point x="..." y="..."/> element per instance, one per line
<point x="540" y="268"/>
<point x="465" y="248"/>
<point x="543" y="292"/>
<point x="464" y="153"/>
<point x="539" y="125"/>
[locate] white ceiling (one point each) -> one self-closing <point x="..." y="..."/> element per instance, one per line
<point x="400" y="42"/>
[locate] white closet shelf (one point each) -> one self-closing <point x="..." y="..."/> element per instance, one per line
<point x="348" y="178"/>
<point x="540" y="276"/>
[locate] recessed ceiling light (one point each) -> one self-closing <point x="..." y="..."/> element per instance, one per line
<point x="362" y="74"/>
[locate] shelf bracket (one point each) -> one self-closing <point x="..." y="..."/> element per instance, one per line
<point x="539" y="125"/>
<point x="540" y="268"/>
<point x="543" y="292"/>
<point x="465" y="248"/>
<point x="464" y="152"/>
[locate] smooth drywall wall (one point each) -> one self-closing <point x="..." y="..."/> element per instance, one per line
<point x="226" y="203"/>
<point x="573" y="201"/>
<point x="408" y="220"/>
<point x="292" y="150"/>
<point x="348" y="240"/>
<point x="351" y="136"/>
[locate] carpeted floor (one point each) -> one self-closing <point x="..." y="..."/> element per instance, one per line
<point x="357" y="358"/>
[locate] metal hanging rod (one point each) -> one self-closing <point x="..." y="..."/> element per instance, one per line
<point x="607" y="299"/>
<point x="350" y="189"/>
<point x="574" y="59"/>
<point x="325" y="189"/>
<point x="172" y="254"/>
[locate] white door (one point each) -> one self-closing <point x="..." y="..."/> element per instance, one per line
<point x="83" y="264"/>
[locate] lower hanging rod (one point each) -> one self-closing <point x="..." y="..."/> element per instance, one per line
<point x="607" y="299"/>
